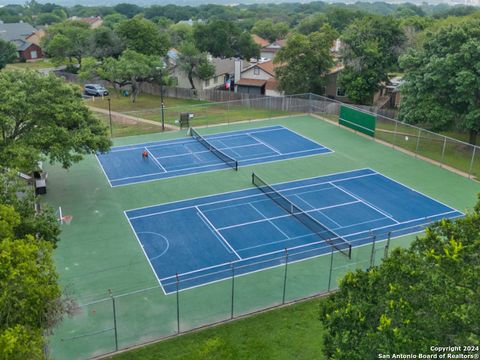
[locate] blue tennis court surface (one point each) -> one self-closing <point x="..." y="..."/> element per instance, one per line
<point x="124" y="165"/>
<point x="200" y="238"/>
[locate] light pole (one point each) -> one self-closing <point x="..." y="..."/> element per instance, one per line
<point x="110" y="117"/>
<point x="161" y="96"/>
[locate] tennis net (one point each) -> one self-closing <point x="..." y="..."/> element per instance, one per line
<point x="330" y="237"/>
<point x="217" y="152"/>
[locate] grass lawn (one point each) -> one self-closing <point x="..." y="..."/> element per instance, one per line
<point x="205" y="113"/>
<point x="293" y="332"/>
<point x="35" y="65"/>
<point x="122" y="129"/>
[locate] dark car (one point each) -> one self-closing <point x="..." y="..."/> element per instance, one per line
<point x="95" y="90"/>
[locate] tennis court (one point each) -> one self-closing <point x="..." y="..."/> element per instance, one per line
<point x="199" y="239"/>
<point x="124" y="165"/>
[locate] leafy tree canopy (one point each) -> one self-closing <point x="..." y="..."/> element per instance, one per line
<point x="68" y="40"/>
<point x="194" y="63"/>
<point x="305" y="60"/>
<point x="269" y="30"/>
<point x="312" y="23"/>
<point x="224" y="39"/>
<point x="371" y="49"/>
<point x="8" y="53"/>
<point x="42" y="116"/>
<point x="143" y="36"/>
<point x="442" y="80"/>
<point x="422" y="296"/>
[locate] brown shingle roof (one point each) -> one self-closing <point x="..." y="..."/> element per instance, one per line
<point x="259" y="40"/>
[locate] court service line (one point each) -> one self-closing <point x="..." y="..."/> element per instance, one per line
<point x="265" y="144"/>
<point x="225" y="243"/>
<point x="155" y="160"/>
<point x="256" y="194"/>
<point x="284" y="216"/>
<point x="320" y="211"/>
<point x="384" y="213"/>
<point x="271" y="222"/>
<point x="306" y="138"/>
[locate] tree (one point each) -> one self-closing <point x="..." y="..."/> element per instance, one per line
<point x="68" y="40"/>
<point x="371" y="49"/>
<point x="44" y="117"/>
<point x="19" y="342"/>
<point x="194" y="63"/>
<point x="421" y="296"/>
<point x="8" y="53"/>
<point x="142" y="36"/>
<point x="128" y="10"/>
<point x="269" y="30"/>
<point x="442" y="80"/>
<point x="180" y="33"/>
<point x="223" y="39"/>
<point x="304" y="61"/>
<point x="112" y="20"/>
<point x="312" y="23"/>
<point x="105" y="43"/>
<point x="43" y="224"/>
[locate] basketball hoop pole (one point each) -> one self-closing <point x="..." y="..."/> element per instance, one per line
<point x="60" y="214"/>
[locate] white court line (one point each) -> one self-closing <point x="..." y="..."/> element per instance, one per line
<point x="285" y="216"/>
<point x="366" y="203"/>
<point x="104" y="172"/>
<point x="271" y="222"/>
<point x="155" y="160"/>
<point x="183" y="140"/>
<point x="415" y="191"/>
<point x="223" y="200"/>
<point x="144" y="253"/>
<point x="340" y="227"/>
<point x="320" y="211"/>
<point x="225" y="243"/>
<point x="251" y="188"/>
<point x="263" y="143"/>
<point x="292" y="262"/>
<point x="306" y="138"/>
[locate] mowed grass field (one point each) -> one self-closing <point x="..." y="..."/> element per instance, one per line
<point x="292" y="332"/>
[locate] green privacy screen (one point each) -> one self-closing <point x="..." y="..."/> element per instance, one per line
<point x="357" y="120"/>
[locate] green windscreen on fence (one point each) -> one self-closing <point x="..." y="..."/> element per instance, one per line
<point x="357" y="120"/>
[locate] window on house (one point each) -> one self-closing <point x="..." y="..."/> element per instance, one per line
<point x="33" y="54"/>
<point x="341" y="92"/>
<point x="256" y="71"/>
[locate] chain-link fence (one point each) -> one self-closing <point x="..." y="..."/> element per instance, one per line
<point x="454" y="154"/>
<point x="125" y="320"/>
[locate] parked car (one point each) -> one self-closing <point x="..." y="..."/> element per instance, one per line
<point x="95" y="90"/>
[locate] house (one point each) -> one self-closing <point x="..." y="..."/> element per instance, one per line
<point x="94" y="22"/>
<point x="260" y="41"/>
<point x="19" y="34"/>
<point x="258" y="78"/>
<point x="269" y="51"/>
<point x="224" y="73"/>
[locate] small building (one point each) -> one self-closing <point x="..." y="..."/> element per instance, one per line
<point x="94" y="22"/>
<point x="269" y="51"/>
<point x="224" y="73"/>
<point x="258" y="78"/>
<point x="21" y="34"/>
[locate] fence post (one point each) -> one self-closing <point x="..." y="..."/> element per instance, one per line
<point x="385" y="254"/>
<point x="114" y="308"/>
<point x="233" y="290"/>
<point x="471" y="162"/>
<point x="178" y="305"/>
<point x="372" y="255"/>
<point x="330" y="272"/>
<point x="443" y="150"/>
<point x="418" y="141"/>
<point x="395" y="134"/>
<point x="285" y="276"/>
